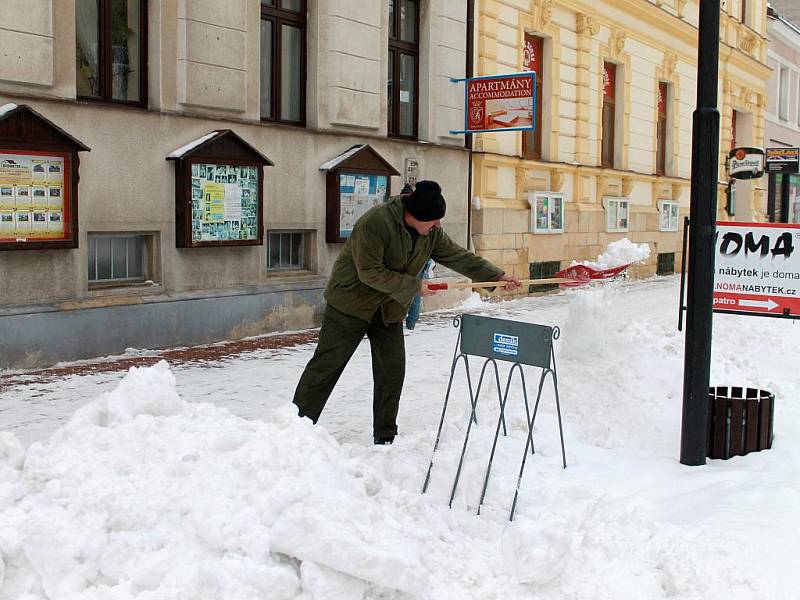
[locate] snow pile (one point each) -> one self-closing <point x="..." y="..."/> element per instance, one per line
<point x="621" y="252"/>
<point x="624" y="361"/>
<point x="143" y="496"/>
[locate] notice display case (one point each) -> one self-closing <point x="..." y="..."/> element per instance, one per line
<point x="38" y="182"/>
<point x="219" y="182"/>
<point x="357" y="180"/>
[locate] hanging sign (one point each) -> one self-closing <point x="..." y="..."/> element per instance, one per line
<point x="782" y="160"/>
<point x="757" y="269"/>
<point x="746" y="163"/>
<point x="499" y="103"/>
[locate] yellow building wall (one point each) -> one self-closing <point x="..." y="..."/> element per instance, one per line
<point x="650" y="41"/>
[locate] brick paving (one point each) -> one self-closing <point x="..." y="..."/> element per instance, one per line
<point x="191" y="354"/>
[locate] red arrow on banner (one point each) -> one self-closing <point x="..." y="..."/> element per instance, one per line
<point x="751" y="303"/>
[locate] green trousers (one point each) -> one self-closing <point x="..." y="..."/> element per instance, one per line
<point x="339" y="337"/>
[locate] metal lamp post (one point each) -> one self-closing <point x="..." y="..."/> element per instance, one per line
<point x="702" y="214"/>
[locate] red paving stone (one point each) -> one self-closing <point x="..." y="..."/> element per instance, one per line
<point x="178" y="356"/>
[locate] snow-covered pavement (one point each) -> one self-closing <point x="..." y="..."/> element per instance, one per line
<point x="200" y="482"/>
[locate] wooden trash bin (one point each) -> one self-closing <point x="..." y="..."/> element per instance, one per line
<point x="740" y="421"/>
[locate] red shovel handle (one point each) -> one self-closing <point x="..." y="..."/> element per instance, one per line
<point x="437" y="286"/>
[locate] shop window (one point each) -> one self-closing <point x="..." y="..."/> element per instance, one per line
<point x="283" y="61"/>
<point x="533" y="60"/>
<point x="616" y="214"/>
<point x="794" y="199"/>
<point x="288" y="251"/>
<point x="547" y="212"/>
<point x="668" y="216"/>
<point x="110" y="50"/>
<point x="543" y="270"/>
<point x="661" y="130"/>
<point x="666" y="263"/>
<point x="118" y="259"/>
<point x="609" y="115"/>
<point x="403" y="75"/>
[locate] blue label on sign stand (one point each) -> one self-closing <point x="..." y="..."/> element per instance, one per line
<point x="507" y="345"/>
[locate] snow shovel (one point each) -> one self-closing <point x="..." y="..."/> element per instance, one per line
<point x="571" y="276"/>
<point x="584" y="273"/>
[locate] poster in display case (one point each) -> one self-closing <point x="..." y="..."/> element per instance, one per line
<point x="218" y="192"/>
<point x="38" y="182"/>
<point x="357" y="180"/>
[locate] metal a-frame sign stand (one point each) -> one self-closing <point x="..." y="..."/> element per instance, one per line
<point x="509" y="341"/>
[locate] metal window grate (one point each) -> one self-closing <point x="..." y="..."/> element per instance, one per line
<point x="116" y="258"/>
<point x="666" y="263"/>
<point x="286" y="251"/>
<point x="539" y="270"/>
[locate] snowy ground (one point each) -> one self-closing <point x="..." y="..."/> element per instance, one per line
<point x="199" y="481"/>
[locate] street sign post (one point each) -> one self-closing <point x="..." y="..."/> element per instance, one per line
<point x="757" y="269"/>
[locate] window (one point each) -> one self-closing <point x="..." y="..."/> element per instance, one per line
<point x="733" y="129"/>
<point x="743" y="11"/>
<point x="730" y="194"/>
<point x="543" y="270"/>
<point x="661" y="130"/>
<point x="547" y="212"/>
<point x="794" y="199"/>
<point x="669" y="212"/>
<point x="117" y="258"/>
<point x="283" y="61"/>
<point x="110" y="50"/>
<point x="609" y="109"/>
<point x="665" y="264"/>
<point x="288" y="251"/>
<point x="533" y="61"/>
<point x="616" y="214"/>
<point x="775" y="197"/>
<point x="783" y="93"/>
<point x="403" y="76"/>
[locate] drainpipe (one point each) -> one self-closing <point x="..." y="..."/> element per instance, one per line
<point x="467" y="136"/>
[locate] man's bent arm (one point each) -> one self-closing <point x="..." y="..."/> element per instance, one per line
<point x="461" y="260"/>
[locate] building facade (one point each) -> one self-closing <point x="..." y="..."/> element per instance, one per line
<point x="782" y="127"/>
<point x="147" y="84"/>
<point x="611" y="156"/>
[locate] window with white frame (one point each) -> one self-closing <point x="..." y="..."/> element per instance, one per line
<point x="117" y="259"/>
<point x="783" y="93"/>
<point x="547" y="212"/>
<point x="668" y="215"/>
<point x="616" y="214"/>
<point x="288" y="251"/>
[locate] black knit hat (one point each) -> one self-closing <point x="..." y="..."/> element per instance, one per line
<point x="426" y="202"/>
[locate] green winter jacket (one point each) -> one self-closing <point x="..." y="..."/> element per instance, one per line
<point x="379" y="265"/>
